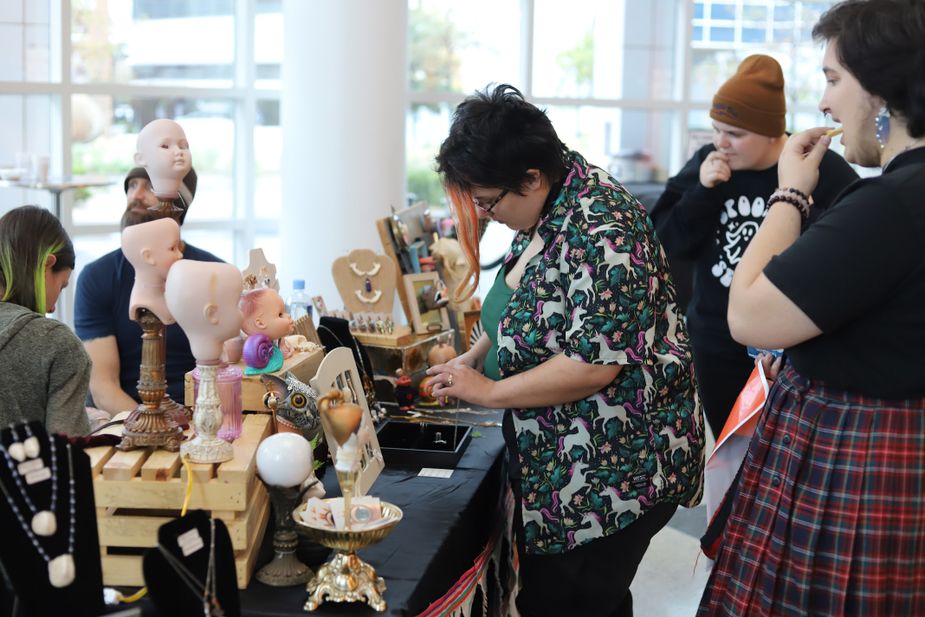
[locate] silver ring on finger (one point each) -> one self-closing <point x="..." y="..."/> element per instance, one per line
<point x="449" y="380"/>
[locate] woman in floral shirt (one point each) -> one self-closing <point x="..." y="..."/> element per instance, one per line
<point x="585" y="348"/>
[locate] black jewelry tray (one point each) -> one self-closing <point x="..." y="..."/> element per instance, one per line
<point x="412" y="444"/>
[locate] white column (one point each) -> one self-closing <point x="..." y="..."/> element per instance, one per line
<point x="342" y="112"/>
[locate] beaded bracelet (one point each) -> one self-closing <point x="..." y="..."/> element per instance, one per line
<point x="801" y="205"/>
<point x="797" y="192"/>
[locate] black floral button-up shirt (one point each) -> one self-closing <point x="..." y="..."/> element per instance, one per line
<point x="600" y="292"/>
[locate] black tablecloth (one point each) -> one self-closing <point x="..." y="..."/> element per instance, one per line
<point x="446" y="524"/>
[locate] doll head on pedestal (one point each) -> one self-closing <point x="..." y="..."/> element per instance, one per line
<point x="265" y="313"/>
<point x="162" y="149"/>
<point x="203" y="297"/>
<point x="152" y="248"/>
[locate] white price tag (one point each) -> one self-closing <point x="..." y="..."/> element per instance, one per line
<point x="190" y="542"/>
<point x="433" y="472"/>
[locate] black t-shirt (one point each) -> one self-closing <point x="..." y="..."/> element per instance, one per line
<point x="104" y="291"/>
<point x="714" y="226"/>
<point x="859" y="274"/>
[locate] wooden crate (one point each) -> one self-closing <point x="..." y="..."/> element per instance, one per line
<point x="138" y="491"/>
<point x="302" y="365"/>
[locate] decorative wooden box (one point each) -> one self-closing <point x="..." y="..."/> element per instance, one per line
<point x="138" y="491"/>
<point x="303" y="365"/>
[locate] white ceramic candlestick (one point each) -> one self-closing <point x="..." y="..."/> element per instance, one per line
<point x="206" y="446"/>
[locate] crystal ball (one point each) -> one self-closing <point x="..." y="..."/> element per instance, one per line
<point x="284" y="459"/>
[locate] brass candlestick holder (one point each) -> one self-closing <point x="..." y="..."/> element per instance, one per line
<point x="149" y="424"/>
<point x="285" y="570"/>
<point x="346" y="577"/>
<point x="167" y="207"/>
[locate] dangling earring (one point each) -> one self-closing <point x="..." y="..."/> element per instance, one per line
<point x="882" y="126"/>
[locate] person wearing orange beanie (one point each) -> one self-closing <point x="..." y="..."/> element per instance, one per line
<point x="712" y="208"/>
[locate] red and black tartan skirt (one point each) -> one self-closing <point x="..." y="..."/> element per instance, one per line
<point x="829" y="518"/>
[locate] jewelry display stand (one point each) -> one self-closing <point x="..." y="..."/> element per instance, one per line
<point x="365" y="281"/>
<point x="192" y="571"/>
<point x="285" y="569"/>
<point x="149" y="424"/>
<point x="346" y="577"/>
<point x="36" y="561"/>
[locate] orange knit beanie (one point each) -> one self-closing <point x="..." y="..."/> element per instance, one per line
<point x="753" y="98"/>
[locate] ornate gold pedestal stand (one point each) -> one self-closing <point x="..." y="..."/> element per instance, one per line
<point x="148" y="424"/>
<point x="346" y="577"/>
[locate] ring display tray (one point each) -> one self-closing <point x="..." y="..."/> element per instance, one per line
<point x="414" y="444"/>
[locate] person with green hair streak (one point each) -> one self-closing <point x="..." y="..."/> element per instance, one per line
<point x="44" y="370"/>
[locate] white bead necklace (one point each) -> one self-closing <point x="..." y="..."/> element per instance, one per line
<point x="43" y="521"/>
<point x="61" y="569"/>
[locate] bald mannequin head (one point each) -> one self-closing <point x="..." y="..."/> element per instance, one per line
<point x="152" y="248"/>
<point x="203" y="297"/>
<point x="162" y="149"/>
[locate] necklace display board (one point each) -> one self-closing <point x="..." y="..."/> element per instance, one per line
<point x="143" y="489"/>
<point x="50" y="549"/>
<point x="191" y="570"/>
<point x="365" y="281"/>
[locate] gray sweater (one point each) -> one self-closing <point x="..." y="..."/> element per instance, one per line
<point x="44" y="372"/>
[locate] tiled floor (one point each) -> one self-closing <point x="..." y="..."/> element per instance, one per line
<point x="671" y="578"/>
<point x="673" y="573"/>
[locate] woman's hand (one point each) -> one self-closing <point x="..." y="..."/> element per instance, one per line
<point x="798" y="166"/>
<point x="458" y="380"/>
<point x="770" y="365"/>
<point x="464" y="359"/>
<point x="714" y="170"/>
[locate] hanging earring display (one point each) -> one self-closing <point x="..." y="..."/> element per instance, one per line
<point x="61" y="569"/>
<point x="882" y="126"/>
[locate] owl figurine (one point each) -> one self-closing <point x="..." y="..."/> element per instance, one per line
<point x="295" y="403"/>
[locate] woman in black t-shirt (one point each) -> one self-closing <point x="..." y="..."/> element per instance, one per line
<point x="827" y="519"/>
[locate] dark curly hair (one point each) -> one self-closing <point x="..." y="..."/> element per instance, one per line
<point x="882" y="43"/>
<point x="495" y="137"/>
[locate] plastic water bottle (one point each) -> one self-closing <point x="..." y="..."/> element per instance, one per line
<point x="299" y="302"/>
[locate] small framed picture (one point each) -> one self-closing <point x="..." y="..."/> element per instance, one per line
<point x="427" y="298"/>
<point x="320" y="308"/>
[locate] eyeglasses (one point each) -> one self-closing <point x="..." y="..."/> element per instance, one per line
<point x="489" y="205"/>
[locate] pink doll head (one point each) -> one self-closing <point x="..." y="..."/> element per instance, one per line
<point x="152" y="248"/>
<point x="265" y="313"/>
<point x="203" y="296"/>
<point x="163" y="151"/>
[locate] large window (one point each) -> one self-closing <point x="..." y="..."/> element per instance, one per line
<point x="628" y="83"/>
<point x="623" y="81"/>
<point x="79" y="78"/>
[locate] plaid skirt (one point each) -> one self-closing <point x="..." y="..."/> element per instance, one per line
<point x="829" y="516"/>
